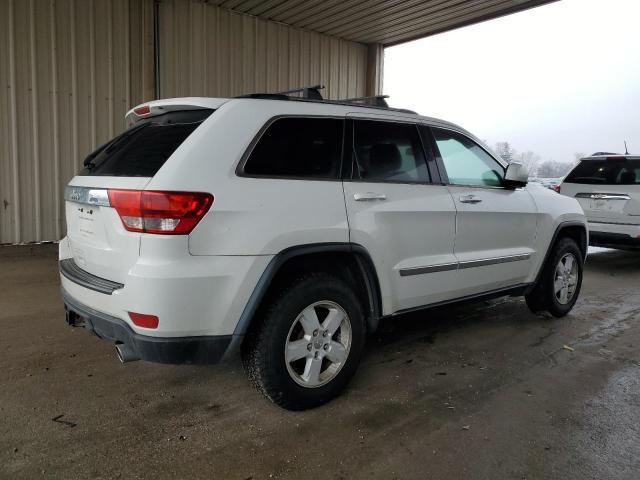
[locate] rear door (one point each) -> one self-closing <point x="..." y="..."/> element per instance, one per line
<point x="399" y="212"/>
<point x="608" y="188"/>
<point x="495" y="226"/>
<point x="99" y="243"/>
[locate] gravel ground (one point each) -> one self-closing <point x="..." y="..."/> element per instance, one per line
<point x="481" y="391"/>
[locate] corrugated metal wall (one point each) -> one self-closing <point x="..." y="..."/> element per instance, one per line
<point x="66" y="85"/>
<point x="210" y="51"/>
<point x="70" y="69"/>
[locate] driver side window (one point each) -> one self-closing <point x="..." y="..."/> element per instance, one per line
<point x="465" y="162"/>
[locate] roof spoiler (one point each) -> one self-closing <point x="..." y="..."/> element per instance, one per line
<point x="160" y="107"/>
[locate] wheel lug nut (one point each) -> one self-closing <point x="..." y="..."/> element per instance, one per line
<point x="309" y="347"/>
<point x="315" y="333"/>
<point x="324" y="334"/>
<point x="326" y="346"/>
<point x="316" y="355"/>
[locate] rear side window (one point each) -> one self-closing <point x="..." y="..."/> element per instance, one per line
<point x="298" y="147"/>
<point x="387" y="151"/>
<point x="606" y="172"/>
<point x="145" y="147"/>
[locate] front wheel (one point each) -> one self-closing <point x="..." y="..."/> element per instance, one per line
<point x="308" y="344"/>
<point x="559" y="284"/>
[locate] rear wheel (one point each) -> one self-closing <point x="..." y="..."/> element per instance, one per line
<point x="559" y="284"/>
<point x="308" y="344"/>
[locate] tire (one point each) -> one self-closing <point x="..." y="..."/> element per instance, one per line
<point x="287" y="323"/>
<point x="546" y="297"/>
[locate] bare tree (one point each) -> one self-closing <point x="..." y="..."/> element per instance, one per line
<point x="577" y="156"/>
<point x="506" y="151"/>
<point x="530" y="160"/>
<point x="552" y="168"/>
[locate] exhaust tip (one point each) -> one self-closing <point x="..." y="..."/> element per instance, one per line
<point x="125" y="353"/>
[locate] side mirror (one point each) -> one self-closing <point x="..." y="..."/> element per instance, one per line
<point x="516" y="175"/>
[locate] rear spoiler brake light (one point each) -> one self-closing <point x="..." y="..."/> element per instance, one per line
<point x="149" y="110"/>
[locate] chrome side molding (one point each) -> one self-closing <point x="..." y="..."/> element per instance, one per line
<point x="494" y="261"/>
<point x="444" y="267"/>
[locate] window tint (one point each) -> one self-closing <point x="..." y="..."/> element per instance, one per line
<point x="142" y="149"/>
<point x="609" y="172"/>
<point x="298" y="147"/>
<point x="465" y="162"/>
<point x="388" y="151"/>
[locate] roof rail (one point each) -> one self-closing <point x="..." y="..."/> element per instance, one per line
<point x="375" y="100"/>
<point x="312" y="93"/>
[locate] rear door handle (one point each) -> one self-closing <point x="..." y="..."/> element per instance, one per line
<point x="368" y="196"/>
<point x="469" y="199"/>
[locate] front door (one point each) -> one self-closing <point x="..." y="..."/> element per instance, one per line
<point x="495" y="226"/>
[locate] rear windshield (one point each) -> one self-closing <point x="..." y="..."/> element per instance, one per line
<point x="606" y="172"/>
<point x="142" y="149"/>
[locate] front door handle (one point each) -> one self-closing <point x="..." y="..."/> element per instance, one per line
<point x="469" y="199"/>
<point x="368" y="196"/>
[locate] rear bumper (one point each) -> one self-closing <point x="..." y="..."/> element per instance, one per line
<point x="192" y="296"/>
<point x="174" y="350"/>
<point x="614" y="235"/>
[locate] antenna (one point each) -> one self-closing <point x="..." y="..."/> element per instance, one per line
<point x="626" y="150"/>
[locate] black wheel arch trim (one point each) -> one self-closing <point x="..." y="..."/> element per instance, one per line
<point x="563" y="226"/>
<point x="362" y="257"/>
<point x="367" y="269"/>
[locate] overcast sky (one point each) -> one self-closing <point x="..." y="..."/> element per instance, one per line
<point x="556" y="79"/>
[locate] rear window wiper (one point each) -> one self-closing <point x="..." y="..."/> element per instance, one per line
<point x="108" y="146"/>
<point x="118" y="140"/>
<point x="88" y="161"/>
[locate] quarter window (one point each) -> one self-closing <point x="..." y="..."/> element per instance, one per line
<point x="465" y="162"/>
<point x="298" y="147"/>
<point x="386" y="151"/>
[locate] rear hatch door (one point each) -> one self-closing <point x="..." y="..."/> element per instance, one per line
<point x="98" y="240"/>
<point x="608" y="188"/>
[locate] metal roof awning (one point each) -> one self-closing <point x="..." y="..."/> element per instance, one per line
<point x="387" y="22"/>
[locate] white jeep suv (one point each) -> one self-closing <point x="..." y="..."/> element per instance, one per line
<point x="608" y="188"/>
<point x="286" y="228"/>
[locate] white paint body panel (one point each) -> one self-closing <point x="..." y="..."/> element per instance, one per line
<point x="611" y="209"/>
<point x="191" y="295"/>
<point x="625" y="210"/>
<point x="502" y="224"/>
<point x="98" y="242"/>
<point x="553" y="211"/>
<point x="200" y="284"/>
<point x="414" y="227"/>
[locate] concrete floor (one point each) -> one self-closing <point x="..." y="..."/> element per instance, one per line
<point x="484" y="391"/>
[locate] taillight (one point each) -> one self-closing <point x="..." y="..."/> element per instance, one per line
<point x="556" y="188"/>
<point x="166" y="213"/>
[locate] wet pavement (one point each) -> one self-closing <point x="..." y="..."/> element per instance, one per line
<point x="480" y="391"/>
